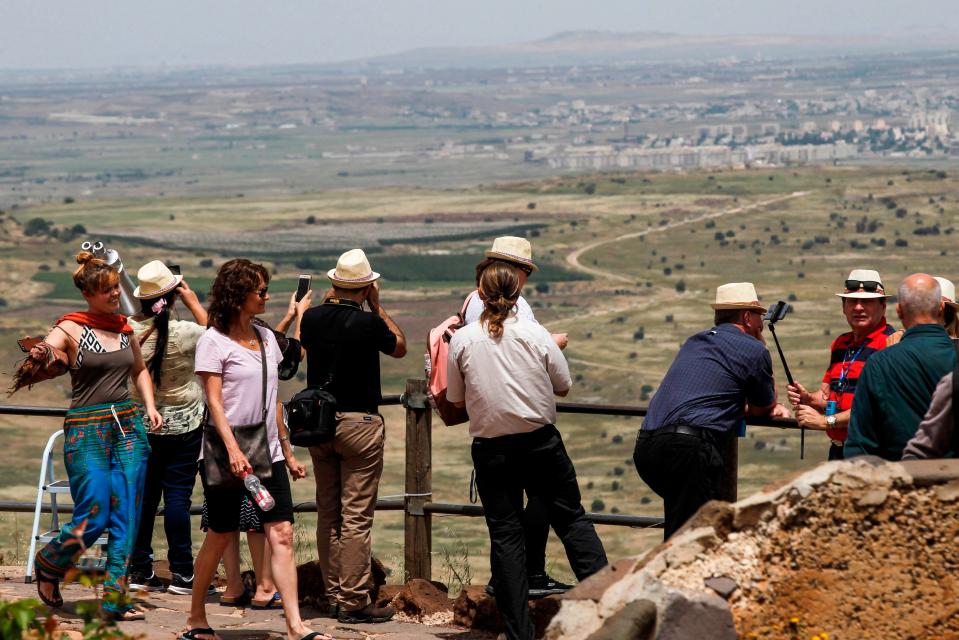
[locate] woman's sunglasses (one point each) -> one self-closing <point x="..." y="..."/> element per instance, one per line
<point x="869" y="286"/>
<point x="262" y="292"/>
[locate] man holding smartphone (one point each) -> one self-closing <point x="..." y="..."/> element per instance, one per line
<point x="828" y="409"/>
<point x="343" y="343"/>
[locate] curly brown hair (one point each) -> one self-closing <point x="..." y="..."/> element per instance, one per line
<point x="93" y="275"/>
<point x="235" y="280"/>
<point x="500" y="289"/>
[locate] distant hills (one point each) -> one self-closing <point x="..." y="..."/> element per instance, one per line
<point x="606" y="47"/>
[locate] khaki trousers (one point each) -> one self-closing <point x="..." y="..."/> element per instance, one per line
<point x="347" y="471"/>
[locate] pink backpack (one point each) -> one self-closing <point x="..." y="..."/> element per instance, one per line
<point x="437" y="351"/>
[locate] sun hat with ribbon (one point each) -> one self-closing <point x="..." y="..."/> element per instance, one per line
<point x="737" y="295"/>
<point x="352" y="271"/>
<point x="863" y="283"/>
<point x="155" y="279"/>
<point x="513" y="249"/>
<point x="948" y="292"/>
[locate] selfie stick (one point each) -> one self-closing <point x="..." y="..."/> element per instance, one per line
<point x="789" y="377"/>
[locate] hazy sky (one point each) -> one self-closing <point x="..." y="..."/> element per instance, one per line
<point x="107" y="33"/>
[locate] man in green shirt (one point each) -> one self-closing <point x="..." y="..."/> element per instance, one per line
<point x="896" y="385"/>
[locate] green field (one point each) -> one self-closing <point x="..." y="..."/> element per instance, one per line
<point x="628" y="270"/>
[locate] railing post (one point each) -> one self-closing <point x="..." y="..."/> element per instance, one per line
<point x="417" y="524"/>
<point x="729" y="483"/>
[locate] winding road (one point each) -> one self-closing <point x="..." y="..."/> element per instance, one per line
<point x="573" y="258"/>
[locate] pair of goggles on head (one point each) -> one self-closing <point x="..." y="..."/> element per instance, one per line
<point x="869" y="286"/>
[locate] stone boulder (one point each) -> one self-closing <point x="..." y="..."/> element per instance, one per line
<point x="474" y="609"/>
<point x="816" y="554"/>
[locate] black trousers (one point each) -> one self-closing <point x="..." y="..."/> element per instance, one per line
<point x="684" y="470"/>
<point x="538" y="464"/>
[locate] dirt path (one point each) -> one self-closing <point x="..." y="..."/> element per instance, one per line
<point x="573" y="258"/>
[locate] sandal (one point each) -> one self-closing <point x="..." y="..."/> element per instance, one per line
<point x="316" y="635"/>
<point x="237" y="601"/>
<point x="276" y="602"/>
<point x="127" y="615"/>
<point x="193" y="634"/>
<point x="56" y="600"/>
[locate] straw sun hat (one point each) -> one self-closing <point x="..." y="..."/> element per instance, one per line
<point x="948" y="292"/>
<point x="737" y="295"/>
<point x="352" y="271"/>
<point x="864" y="276"/>
<point x="513" y="249"/>
<point x="154" y="280"/>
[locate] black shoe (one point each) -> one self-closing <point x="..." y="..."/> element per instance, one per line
<point x="542" y="585"/>
<point x="490" y="591"/>
<point x="184" y="586"/>
<point x="367" y="614"/>
<point x="140" y="581"/>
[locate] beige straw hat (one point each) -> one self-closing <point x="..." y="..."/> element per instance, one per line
<point x="352" y="271"/>
<point x="513" y="249"/>
<point x="737" y="295"/>
<point x="154" y="280"/>
<point x="864" y="276"/>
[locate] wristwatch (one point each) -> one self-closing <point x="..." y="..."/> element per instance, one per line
<point x="830" y="422"/>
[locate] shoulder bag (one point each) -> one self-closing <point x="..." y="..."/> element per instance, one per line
<point x="251" y="438"/>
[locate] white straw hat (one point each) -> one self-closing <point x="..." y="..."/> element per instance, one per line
<point x="154" y="280"/>
<point x="864" y="275"/>
<point x="948" y="292"/>
<point x="737" y="295"/>
<point x="513" y="249"/>
<point x="352" y="271"/>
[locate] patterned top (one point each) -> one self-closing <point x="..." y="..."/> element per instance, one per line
<point x="712" y="378"/>
<point x="90" y="342"/>
<point x="180" y="396"/>
<point x="100" y="376"/>
<point x="845" y="364"/>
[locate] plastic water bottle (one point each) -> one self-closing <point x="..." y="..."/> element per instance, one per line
<point x="261" y="496"/>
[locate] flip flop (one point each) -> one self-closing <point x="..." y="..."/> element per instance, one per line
<point x="128" y="615"/>
<point x="57" y="600"/>
<point x="237" y="601"/>
<point x="316" y="635"/>
<point x="276" y="602"/>
<point x="193" y="634"/>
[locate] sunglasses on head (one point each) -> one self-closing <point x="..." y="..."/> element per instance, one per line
<point x="869" y="286"/>
<point x="262" y="292"/>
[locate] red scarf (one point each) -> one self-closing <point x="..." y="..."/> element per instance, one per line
<point x="113" y="322"/>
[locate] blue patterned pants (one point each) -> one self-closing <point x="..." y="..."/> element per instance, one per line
<point x="105" y="452"/>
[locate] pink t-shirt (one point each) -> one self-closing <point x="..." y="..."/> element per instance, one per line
<point x="243" y="380"/>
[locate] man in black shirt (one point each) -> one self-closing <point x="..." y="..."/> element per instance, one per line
<point x="343" y="343"/>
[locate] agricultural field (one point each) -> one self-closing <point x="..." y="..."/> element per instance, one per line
<point x="629" y="264"/>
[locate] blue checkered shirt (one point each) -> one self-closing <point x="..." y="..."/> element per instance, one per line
<point x="715" y="373"/>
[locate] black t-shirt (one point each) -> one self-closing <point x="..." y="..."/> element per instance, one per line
<point x="360" y="336"/>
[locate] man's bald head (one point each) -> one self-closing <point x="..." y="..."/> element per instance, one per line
<point x="920" y="300"/>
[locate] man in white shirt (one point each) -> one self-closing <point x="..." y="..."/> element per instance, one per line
<point x="506" y="370"/>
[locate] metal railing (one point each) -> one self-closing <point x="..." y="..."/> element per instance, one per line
<point x="416" y="503"/>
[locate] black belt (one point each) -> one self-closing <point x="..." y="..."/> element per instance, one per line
<point x="685" y="429"/>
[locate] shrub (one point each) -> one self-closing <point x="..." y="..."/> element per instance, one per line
<point x="614" y="485"/>
<point x="206" y="263"/>
<point x="530" y="205"/>
<point x="69" y="200"/>
<point x="618" y="471"/>
<point x="639" y="334"/>
<point x="310" y="219"/>
<point x="617" y="439"/>
<point x="681" y="286"/>
<point x="902" y="242"/>
<point x="597" y="505"/>
<point x="792" y="297"/>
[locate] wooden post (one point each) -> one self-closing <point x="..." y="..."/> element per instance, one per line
<point x="729" y="450"/>
<point x="417" y="524"/>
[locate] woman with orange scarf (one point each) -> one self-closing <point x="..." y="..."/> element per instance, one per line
<point x="105" y="444"/>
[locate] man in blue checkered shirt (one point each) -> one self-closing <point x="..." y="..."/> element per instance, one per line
<point x="718" y="377"/>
